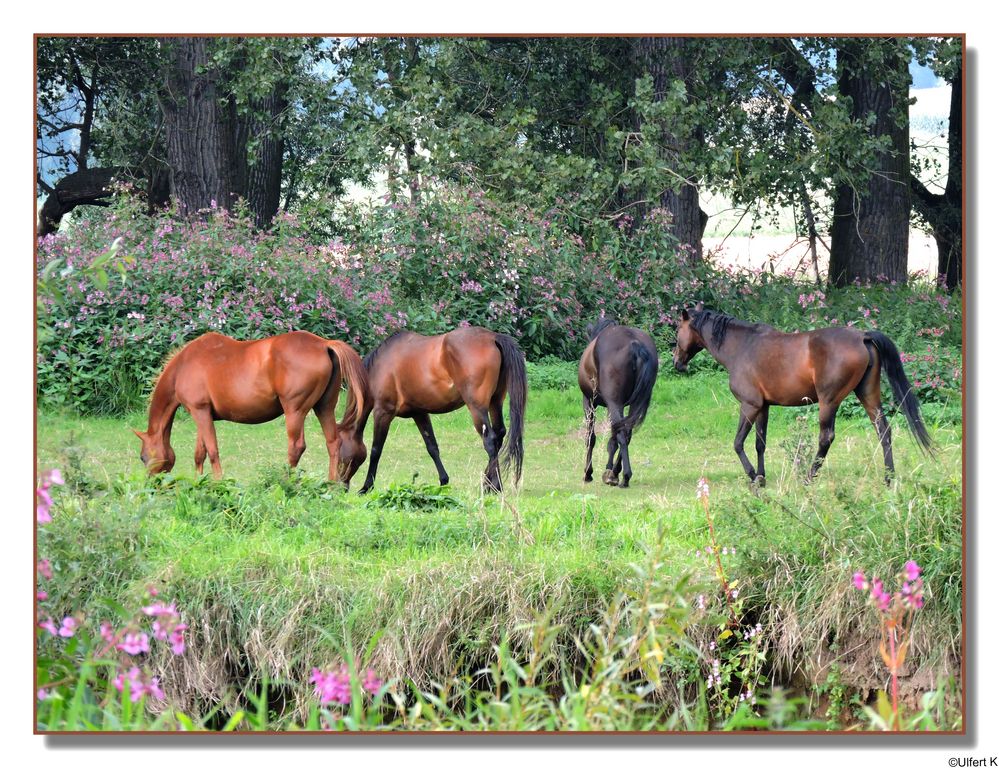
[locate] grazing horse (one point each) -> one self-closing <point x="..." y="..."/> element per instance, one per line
<point x="250" y="382"/>
<point x="413" y="376"/>
<point x="767" y="367"/>
<point x="618" y="368"/>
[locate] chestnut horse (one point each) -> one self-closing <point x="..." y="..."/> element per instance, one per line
<point x="618" y="368"/>
<point x="413" y="376"/>
<point x="250" y="382"/>
<point x="767" y="367"/>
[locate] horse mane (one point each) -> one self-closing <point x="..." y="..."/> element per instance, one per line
<point x="370" y="358"/>
<point x="593" y="329"/>
<point x="720" y="323"/>
<point x="171" y="356"/>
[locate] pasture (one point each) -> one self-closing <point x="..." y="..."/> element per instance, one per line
<point x="276" y="574"/>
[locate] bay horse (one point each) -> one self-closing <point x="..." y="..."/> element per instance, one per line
<point x="413" y="376"/>
<point x="768" y="367"/>
<point x="217" y="378"/>
<point x="618" y="368"/>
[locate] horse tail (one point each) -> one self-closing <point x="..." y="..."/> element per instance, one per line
<point x="356" y="378"/>
<point x="905" y="397"/>
<point x="646" y="370"/>
<point x="516" y="387"/>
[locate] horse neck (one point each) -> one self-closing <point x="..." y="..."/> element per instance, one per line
<point x="163" y="405"/>
<point x="725" y="353"/>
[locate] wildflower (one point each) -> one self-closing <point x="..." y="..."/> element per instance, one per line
<point x="860" y="580"/>
<point x="734" y="593"/>
<point x="41" y="595"/>
<point x="43" y="694"/>
<point x="912" y="570"/>
<point x="371" y="682"/>
<point x="45" y="569"/>
<point x="177" y="639"/>
<point x="68" y="628"/>
<point x="332" y="686"/>
<point x="49" y="626"/>
<point x="134" y="643"/>
<point x="702" y="488"/>
<point x="138" y="684"/>
<point x="107" y="633"/>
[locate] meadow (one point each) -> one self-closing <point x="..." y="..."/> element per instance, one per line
<point x="556" y="605"/>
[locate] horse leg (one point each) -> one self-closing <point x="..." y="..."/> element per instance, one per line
<point x="871" y="400"/>
<point x="761" y="445"/>
<point x="613" y="444"/>
<point x="491" y="482"/>
<point x="496" y="419"/>
<point x="295" y="424"/>
<point x="206" y="435"/>
<point x="422" y="421"/>
<point x="325" y="411"/>
<point x="827" y="433"/>
<point x="200" y="452"/>
<point x="747" y="416"/>
<point x="382" y="421"/>
<point x="589" y="414"/>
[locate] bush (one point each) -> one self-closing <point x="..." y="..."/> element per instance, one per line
<point x="458" y="258"/>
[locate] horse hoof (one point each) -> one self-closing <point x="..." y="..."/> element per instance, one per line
<point x="445" y="480"/>
<point x="760" y="481"/>
<point x="610" y="478"/>
<point x="364" y="490"/>
<point x="587" y="478"/>
<point x="623" y="484"/>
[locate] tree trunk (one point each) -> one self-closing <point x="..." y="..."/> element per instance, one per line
<point x="263" y="188"/>
<point x="665" y="59"/>
<point x="200" y="139"/>
<point x="944" y="212"/>
<point x="870" y="230"/>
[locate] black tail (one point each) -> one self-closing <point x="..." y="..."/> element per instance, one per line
<point x="646" y="370"/>
<point x="516" y="388"/>
<point x="905" y="397"/>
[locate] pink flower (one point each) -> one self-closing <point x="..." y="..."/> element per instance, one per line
<point x="134" y="643"/>
<point x="68" y="628"/>
<point x="177" y="639"/>
<point x="860" y="580"/>
<point x="45" y="569"/>
<point x="371" y="682"/>
<point x="41" y="595"/>
<point x="160" y="609"/>
<point x="138" y="684"/>
<point x="42" y="694"/>
<point x="107" y="633"/>
<point x="43" y="503"/>
<point x="49" y="626"/>
<point x="703" y="490"/>
<point x="332" y="686"/>
<point x="912" y="570"/>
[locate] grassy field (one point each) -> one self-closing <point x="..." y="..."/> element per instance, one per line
<point x="278" y="574"/>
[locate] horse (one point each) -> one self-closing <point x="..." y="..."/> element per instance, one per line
<point x="618" y="368"/>
<point x="413" y="376"/>
<point x="768" y="367"/>
<point x="217" y="378"/>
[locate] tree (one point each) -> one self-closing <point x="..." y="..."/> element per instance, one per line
<point x="870" y="230"/>
<point x="91" y="91"/>
<point x="668" y="61"/>
<point x="943" y="211"/>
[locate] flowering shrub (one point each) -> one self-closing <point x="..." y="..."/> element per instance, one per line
<point x="120" y="292"/>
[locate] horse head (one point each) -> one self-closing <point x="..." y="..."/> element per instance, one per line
<point x="155" y="454"/>
<point x="352" y="454"/>
<point x="688" y="340"/>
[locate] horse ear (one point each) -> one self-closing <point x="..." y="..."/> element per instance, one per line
<point x="699" y="307"/>
<point x="140" y="435"/>
<point x="684" y="315"/>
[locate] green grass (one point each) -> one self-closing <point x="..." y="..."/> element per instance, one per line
<point x="277" y="574"/>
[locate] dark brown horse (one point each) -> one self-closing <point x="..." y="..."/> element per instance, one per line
<point x="220" y="379"/>
<point x="618" y="368"/>
<point x="413" y="376"/>
<point x="767" y="367"/>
